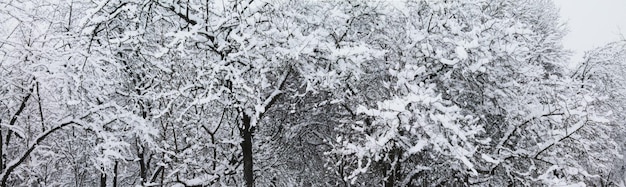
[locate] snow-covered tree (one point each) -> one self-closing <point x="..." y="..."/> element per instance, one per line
<point x="479" y="98"/>
<point x="601" y="72"/>
<point x="302" y="93"/>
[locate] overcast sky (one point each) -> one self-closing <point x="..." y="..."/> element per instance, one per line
<point x="592" y="23"/>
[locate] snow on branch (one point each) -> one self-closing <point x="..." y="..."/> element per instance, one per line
<point x="573" y="129"/>
<point x="269" y="101"/>
<point x="15" y="163"/>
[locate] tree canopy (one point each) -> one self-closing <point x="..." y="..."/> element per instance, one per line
<point x="304" y="93"/>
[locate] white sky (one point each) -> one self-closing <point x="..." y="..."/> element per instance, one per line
<point x="592" y="23"/>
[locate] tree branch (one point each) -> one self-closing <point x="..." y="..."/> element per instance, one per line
<point x="510" y="134"/>
<point x="269" y="100"/>
<point x="17" y="113"/>
<point x="576" y="127"/>
<point x="178" y="13"/>
<point x="15" y="163"/>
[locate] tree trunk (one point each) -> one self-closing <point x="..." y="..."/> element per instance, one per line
<point x="246" y="147"/>
<point x="393" y="168"/>
<point x="103" y="179"/>
<point x="142" y="164"/>
<point x="1" y="151"/>
<point x="115" y="174"/>
<point x="247" y="130"/>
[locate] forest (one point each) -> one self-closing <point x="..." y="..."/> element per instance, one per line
<point x="188" y="93"/>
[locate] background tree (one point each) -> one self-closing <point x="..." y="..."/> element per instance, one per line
<point x="600" y="72"/>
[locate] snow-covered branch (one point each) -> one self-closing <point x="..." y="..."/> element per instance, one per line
<point x="10" y="167"/>
<point x="270" y="99"/>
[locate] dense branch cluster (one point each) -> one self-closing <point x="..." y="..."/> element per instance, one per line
<point x="304" y="93"/>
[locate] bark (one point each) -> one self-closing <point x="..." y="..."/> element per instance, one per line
<point x="142" y="163"/>
<point x="115" y="174"/>
<point x="103" y="180"/>
<point x="247" y="129"/>
<point x="246" y="147"/>
<point x="1" y="151"/>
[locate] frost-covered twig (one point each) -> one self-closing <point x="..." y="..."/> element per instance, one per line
<point x="15" y="163"/>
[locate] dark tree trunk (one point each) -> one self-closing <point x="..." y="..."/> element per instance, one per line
<point x="393" y="168"/>
<point x="142" y="166"/>
<point x="115" y="174"/>
<point x="247" y="130"/>
<point x="1" y="151"/>
<point x="103" y="180"/>
<point x="246" y="147"/>
<point x="390" y="181"/>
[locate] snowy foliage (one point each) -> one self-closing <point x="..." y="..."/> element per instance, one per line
<point x="303" y="93"/>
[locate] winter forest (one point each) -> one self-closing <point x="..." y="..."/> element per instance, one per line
<point x="304" y="93"/>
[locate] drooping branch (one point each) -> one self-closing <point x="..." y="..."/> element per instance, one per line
<point x="574" y="128"/>
<point x="511" y="132"/>
<point x="15" y="163"/>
